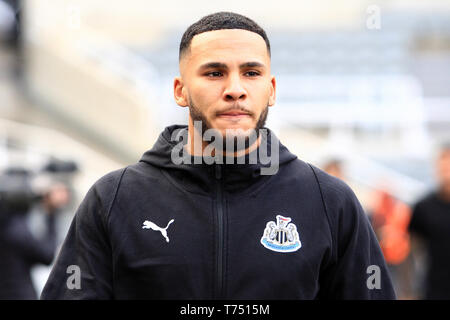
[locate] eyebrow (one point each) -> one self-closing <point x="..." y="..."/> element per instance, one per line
<point x="220" y="65"/>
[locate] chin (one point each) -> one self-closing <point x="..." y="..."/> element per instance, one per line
<point x="244" y="129"/>
<point x="238" y="125"/>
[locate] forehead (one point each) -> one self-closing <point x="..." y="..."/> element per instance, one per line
<point x="227" y="44"/>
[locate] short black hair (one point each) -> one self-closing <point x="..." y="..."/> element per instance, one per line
<point x="220" y="21"/>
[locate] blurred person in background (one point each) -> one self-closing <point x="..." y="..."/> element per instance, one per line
<point x="10" y="22"/>
<point x="20" y="249"/>
<point x="390" y="218"/>
<point x="6" y="21"/>
<point x="430" y="227"/>
<point x="334" y="167"/>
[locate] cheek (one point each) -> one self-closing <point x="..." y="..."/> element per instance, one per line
<point x="259" y="93"/>
<point x="205" y="93"/>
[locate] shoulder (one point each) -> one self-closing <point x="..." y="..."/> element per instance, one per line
<point x="343" y="209"/>
<point x="335" y="192"/>
<point x="426" y="200"/>
<point x="423" y="205"/>
<point x="336" y="196"/>
<point x="101" y="195"/>
<point x="109" y="182"/>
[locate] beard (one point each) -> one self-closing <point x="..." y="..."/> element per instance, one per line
<point x="231" y="140"/>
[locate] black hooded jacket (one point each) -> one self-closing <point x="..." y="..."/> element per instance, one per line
<point x="159" y="230"/>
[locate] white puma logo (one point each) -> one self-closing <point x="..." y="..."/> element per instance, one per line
<point x="151" y="225"/>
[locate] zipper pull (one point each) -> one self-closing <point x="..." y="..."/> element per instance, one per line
<point x="218" y="172"/>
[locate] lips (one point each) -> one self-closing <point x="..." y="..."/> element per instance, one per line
<point x="234" y="113"/>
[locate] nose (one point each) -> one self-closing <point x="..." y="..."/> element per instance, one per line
<point x="234" y="90"/>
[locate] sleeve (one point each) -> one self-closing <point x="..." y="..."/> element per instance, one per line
<point x="83" y="268"/>
<point x="356" y="268"/>
<point x="21" y="240"/>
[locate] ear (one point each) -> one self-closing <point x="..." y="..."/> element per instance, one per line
<point x="179" y="92"/>
<point x="273" y="87"/>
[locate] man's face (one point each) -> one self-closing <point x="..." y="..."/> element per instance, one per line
<point x="443" y="169"/>
<point x="226" y="81"/>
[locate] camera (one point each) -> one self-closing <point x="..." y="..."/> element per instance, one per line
<point x="21" y="188"/>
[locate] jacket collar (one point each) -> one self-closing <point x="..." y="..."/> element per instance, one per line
<point x="202" y="177"/>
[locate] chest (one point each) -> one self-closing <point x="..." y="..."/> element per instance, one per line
<point x="222" y="247"/>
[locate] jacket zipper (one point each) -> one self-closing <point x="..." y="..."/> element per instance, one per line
<point x="220" y="226"/>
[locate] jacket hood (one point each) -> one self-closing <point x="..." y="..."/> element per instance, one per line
<point x="198" y="176"/>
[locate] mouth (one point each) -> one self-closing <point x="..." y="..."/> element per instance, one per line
<point x="234" y="114"/>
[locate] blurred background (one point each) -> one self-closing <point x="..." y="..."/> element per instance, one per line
<point x="363" y="91"/>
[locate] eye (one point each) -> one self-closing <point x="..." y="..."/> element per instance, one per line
<point x="252" y="73"/>
<point x="214" y="74"/>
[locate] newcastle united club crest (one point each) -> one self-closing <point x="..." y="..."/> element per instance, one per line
<point x="281" y="236"/>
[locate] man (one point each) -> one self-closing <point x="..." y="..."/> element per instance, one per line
<point x="430" y="226"/>
<point x="180" y="227"/>
<point x="20" y="250"/>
